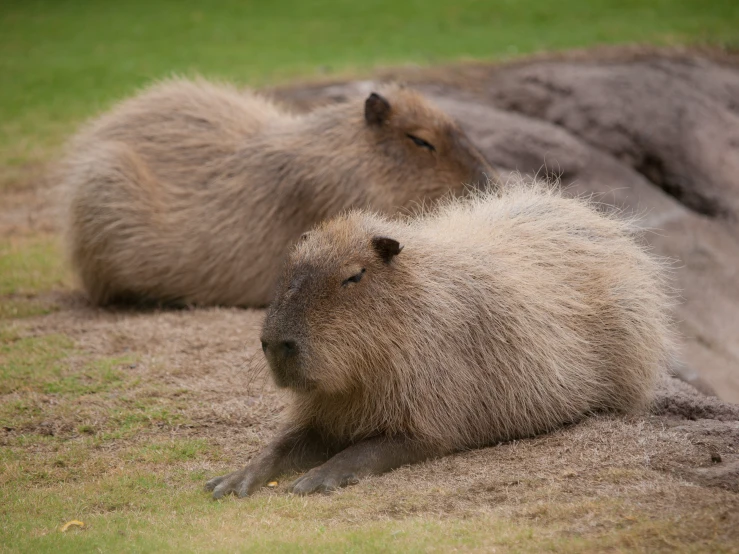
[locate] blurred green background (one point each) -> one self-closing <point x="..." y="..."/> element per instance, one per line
<point x="64" y="60"/>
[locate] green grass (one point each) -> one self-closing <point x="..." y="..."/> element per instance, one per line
<point x="136" y="513"/>
<point x="11" y="308"/>
<point x="30" y="267"/>
<point x="161" y="508"/>
<point x="62" y="61"/>
<point x="32" y="364"/>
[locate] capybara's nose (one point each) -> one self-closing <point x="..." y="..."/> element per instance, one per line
<point x="280" y="350"/>
<point x="287" y="348"/>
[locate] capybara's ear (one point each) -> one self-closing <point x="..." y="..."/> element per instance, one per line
<point x="376" y="109"/>
<point x="386" y="248"/>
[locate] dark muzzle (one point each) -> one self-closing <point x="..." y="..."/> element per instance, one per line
<point x="283" y="357"/>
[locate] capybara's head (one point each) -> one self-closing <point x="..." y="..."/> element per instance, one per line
<point x="335" y="311"/>
<point x="420" y="142"/>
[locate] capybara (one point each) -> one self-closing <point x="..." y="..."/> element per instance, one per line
<point x="192" y="192"/>
<point x="488" y="319"/>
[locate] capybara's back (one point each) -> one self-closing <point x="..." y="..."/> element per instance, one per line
<point x="192" y="192"/>
<point x="181" y="130"/>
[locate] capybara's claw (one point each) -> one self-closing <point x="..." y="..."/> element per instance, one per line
<point x="212" y="483"/>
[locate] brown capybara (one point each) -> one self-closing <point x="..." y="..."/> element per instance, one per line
<point x="487" y="319"/>
<point x="192" y="192"/>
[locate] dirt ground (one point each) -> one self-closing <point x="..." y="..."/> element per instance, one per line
<point x="653" y="132"/>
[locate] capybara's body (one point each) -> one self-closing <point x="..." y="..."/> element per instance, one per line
<point x="192" y="192"/>
<point x="488" y="319"/>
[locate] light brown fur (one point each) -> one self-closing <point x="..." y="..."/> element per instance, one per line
<point x="192" y="192"/>
<point x="499" y="318"/>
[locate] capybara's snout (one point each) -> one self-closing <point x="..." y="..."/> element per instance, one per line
<point x="284" y="358"/>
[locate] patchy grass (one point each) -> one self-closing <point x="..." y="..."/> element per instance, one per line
<point x="32" y="364"/>
<point x="143" y="504"/>
<point x="30" y="268"/>
<point x="29" y="265"/>
<point x="16" y="307"/>
<point x="170" y="452"/>
<point x="62" y="61"/>
<point x="125" y="441"/>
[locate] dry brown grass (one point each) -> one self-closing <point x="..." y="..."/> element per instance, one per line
<point x="131" y="457"/>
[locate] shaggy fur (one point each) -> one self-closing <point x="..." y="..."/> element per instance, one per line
<point x="500" y="318"/>
<point x="192" y="192"/>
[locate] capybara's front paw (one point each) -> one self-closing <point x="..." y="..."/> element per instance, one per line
<point x="323" y="479"/>
<point x="241" y="483"/>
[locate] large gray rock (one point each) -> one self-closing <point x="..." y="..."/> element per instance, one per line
<point x="675" y="121"/>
